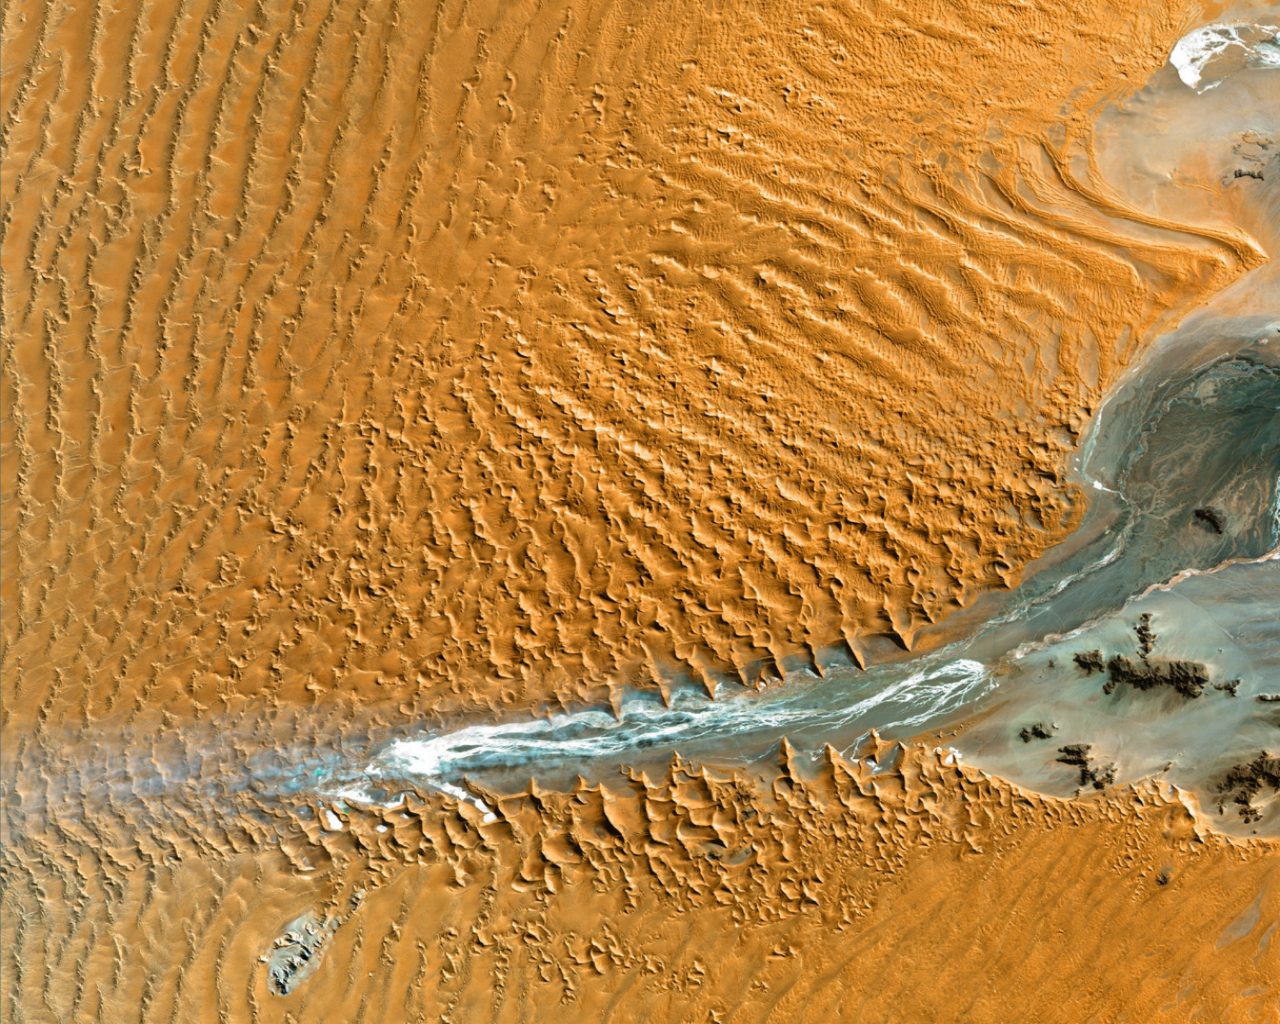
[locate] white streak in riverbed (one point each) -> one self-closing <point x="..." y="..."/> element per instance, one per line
<point x="1225" y="49"/>
<point x="590" y="735"/>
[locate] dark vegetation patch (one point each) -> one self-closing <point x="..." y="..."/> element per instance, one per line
<point x="1243" y="782"/>
<point x="1078" y="756"/>
<point x="1213" y="518"/>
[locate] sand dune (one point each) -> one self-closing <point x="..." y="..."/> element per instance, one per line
<point x="508" y="351"/>
<point x="367" y="359"/>
<point x="922" y="892"/>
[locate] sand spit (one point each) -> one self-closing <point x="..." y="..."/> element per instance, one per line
<point x="895" y="886"/>
<point x="507" y="351"/>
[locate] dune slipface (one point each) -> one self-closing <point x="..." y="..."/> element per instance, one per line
<point x="423" y="423"/>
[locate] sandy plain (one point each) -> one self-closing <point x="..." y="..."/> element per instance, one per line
<point x="384" y="360"/>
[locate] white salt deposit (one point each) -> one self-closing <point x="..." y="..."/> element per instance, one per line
<point x="1207" y="56"/>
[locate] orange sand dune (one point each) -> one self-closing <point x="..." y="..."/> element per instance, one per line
<point x="503" y="351"/>
<point x="372" y="355"/>
<point x="924" y="893"/>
